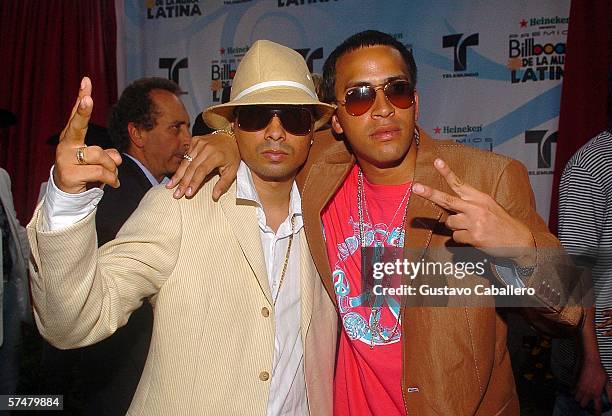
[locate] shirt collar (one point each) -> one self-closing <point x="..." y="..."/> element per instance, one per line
<point x="146" y="171"/>
<point x="245" y="189"/>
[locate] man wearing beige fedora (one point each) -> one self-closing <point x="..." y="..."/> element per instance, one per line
<point x="242" y="323"/>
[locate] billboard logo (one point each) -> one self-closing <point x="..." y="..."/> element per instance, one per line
<point x="538" y="54"/>
<point x="544" y="143"/>
<point x="460" y="48"/>
<point x="528" y="48"/>
<point x="173" y="67"/>
<point x="223" y="70"/>
<point x="539" y="62"/>
<point x="222" y="74"/>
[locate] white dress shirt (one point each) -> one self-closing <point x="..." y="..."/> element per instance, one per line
<point x="287" y="386"/>
<point x="147" y="172"/>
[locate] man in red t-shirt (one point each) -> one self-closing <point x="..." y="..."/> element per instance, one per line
<point x="387" y="187"/>
<point x="411" y="360"/>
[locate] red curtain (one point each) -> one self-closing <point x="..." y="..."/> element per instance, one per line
<point x="585" y="84"/>
<point x="48" y="46"/>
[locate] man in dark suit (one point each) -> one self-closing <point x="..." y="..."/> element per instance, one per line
<point x="150" y="127"/>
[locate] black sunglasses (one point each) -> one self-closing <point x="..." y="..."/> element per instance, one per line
<point x="361" y="98"/>
<point x="296" y="120"/>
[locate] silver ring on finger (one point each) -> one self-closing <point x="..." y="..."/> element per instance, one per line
<point x="80" y="155"/>
<point x="187" y="157"/>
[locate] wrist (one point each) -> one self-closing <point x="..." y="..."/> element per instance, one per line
<point x="227" y="132"/>
<point x="54" y="179"/>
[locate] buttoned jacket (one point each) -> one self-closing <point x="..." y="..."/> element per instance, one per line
<point x="213" y="336"/>
<point x="455" y="360"/>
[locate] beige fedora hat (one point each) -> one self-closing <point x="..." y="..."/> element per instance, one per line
<point x="269" y="74"/>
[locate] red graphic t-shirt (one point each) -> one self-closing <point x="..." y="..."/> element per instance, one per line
<point x="368" y="371"/>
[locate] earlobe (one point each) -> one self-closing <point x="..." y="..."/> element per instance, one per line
<point x="336" y="125"/>
<point x="416" y="106"/>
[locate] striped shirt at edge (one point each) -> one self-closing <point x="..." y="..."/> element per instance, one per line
<point x="585" y="228"/>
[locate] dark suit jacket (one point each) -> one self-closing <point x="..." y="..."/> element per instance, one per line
<point x="112" y="368"/>
<point x="117" y="204"/>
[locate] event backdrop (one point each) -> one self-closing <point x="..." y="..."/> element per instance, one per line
<point x="489" y="73"/>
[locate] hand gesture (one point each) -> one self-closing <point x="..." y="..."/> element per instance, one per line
<point x="478" y="220"/>
<point x="78" y="165"/>
<point x="207" y="153"/>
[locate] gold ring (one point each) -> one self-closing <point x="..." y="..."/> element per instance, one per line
<point x="80" y="155"/>
<point x="187" y="157"/>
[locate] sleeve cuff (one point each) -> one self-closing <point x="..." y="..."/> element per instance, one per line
<point x="61" y="209"/>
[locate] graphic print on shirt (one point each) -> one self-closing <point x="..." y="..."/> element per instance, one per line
<point x="370" y="319"/>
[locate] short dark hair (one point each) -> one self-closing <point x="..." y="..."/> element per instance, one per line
<point x="358" y="41"/>
<point x="136" y="106"/>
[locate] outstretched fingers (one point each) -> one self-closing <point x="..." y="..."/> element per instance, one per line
<point x="76" y="128"/>
<point x="463" y="189"/>
<point x="446" y="201"/>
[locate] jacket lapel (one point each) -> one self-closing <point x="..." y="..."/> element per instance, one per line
<point x="308" y="273"/>
<point x="316" y="193"/>
<point x="243" y="219"/>
<point x="132" y="170"/>
<point x="421" y="218"/>
<point x="422" y="215"/>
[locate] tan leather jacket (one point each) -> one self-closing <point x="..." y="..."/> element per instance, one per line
<point x="455" y="359"/>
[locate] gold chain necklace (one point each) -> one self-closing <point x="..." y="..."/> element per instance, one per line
<point x="284" y="271"/>
<point x="376" y="310"/>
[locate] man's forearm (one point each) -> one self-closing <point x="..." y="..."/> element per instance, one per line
<point x="589" y="338"/>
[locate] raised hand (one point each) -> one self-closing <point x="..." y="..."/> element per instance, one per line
<point x="207" y="153"/>
<point x="77" y="165"/>
<point x="478" y="220"/>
